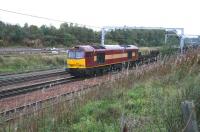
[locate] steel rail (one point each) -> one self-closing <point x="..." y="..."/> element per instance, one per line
<point x="29" y="71"/>
<point x="30" y="77"/>
<point x="30" y="108"/>
<point x="33" y="87"/>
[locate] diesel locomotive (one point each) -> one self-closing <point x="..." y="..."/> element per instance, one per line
<point x="90" y="60"/>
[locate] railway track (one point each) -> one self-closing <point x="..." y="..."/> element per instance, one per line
<point x="17" y="112"/>
<point x="6" y="80"/>
<point x="37" y="69"/>
<point x="5" y="93"/>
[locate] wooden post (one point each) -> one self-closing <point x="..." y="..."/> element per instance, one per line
<point x="189" y="116"/>
<point x="123" y="124"/>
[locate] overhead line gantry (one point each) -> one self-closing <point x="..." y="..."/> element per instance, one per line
<point x="178" y="31"/>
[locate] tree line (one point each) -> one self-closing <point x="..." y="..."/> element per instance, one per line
<point x="70" y="34"/>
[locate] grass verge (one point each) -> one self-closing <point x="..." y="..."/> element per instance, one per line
<point x="22" y="63"/>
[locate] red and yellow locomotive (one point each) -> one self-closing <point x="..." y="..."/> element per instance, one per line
<point x="89" y="60"/>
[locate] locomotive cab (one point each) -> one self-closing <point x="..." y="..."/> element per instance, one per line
<point x="76" y="58"/>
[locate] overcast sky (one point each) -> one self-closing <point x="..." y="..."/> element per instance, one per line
<point x="153" y="13"/>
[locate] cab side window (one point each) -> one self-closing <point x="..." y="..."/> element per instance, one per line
<point x="129" y="54"/>
<point x="100" y="58"/>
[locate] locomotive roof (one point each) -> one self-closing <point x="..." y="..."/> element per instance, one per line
<point x="90" y="48"/>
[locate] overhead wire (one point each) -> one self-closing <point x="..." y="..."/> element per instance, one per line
<point x="46" y="18"/>
<point x="52" y="19"/>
